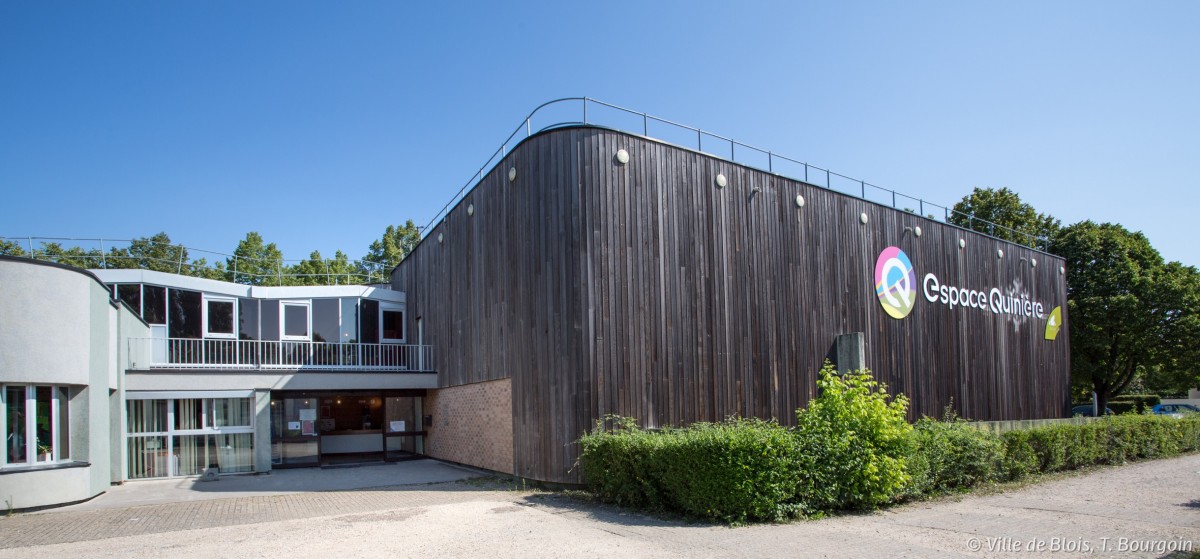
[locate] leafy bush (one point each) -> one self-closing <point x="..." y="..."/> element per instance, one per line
<point x="851" y="449"/>
<point x="733" y="471"/>
<point x="1111" y="440"/>
<point x="952" y="455"/>
<point x="1130" y="403"/>
<point x="852" y="443"/>
<point x="617" y="463"/>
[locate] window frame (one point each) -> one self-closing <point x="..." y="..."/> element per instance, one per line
<point x="283" y="305"/>
<point x="233" y="319"/>
<point x="168" y="437"/>
<point x="60" y="398"/>
<point x="392" y="307"/>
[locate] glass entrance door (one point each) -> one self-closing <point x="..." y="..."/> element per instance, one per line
<point x="403" y="428"/>
<point x="294" y="434"/>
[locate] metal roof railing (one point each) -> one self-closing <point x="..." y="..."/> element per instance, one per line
<point x="574" y="111"/>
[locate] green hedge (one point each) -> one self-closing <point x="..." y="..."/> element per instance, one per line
<point x="1112" y="440"/>
<point x="1134" y="403"/>
<point x="846" y="452"/>
<point x="733" y="471"/>
<point x="951" y="456"/>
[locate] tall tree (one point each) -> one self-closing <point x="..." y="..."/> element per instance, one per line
<point x="74" y="256"/>
<point x="1178" y="299"/>
<point x="385" y="253"/>
<point x="10" y="248"/>
<point x="150" y="253"/>
<point x="985" y="208"/>
<point x="1128" y="312"/>
<point x="323" y="271"/>
<point x="254" y="262"/>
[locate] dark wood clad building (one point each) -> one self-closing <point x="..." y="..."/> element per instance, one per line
<point x="583" y="285"/>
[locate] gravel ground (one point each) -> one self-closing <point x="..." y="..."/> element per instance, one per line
<point x="1101" y="513"/>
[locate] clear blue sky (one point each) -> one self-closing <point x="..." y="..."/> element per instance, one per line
<point x="319" y="123"/>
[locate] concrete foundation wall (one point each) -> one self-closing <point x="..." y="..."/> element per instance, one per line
<point x="472" y="424"/>
<point x="42" y="488"/>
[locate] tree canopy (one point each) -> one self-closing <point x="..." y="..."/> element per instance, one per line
<point x="1129" y="313"/>
<point x="397" y="242"/>
<point x="1018" y="222"/>
<point x="254" y="261"/>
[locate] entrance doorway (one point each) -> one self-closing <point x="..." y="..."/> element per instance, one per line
<point x="332" y="428"/>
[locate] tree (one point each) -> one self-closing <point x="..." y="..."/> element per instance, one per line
<point x="1179" y="367"/>
<point x="150" y="253"/>
<point x="385" y="253"/>
<point x="986" y="208"/>
<point x="74" y="256"/>
<point x="322" y="271"/>
<point x="10" y="248"/>
<point x="254" y="263"/>
<point x="1129" y="313"/>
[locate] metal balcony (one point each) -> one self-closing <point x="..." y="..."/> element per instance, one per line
<point x="187" y="353"/>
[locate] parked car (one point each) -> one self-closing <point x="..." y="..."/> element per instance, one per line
<point x="1086" y="410"/>
<point x="1175" y="410"/>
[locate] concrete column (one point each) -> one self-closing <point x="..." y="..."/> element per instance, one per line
<point x="851" y="352"/>
<point x="262" y="431"/>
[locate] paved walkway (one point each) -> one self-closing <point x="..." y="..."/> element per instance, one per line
<point x="277" y="482"/>
<point x="1140" y="510"/>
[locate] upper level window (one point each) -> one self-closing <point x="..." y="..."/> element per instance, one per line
<point x="36" y="424"/>
<point x="296" y="325"/>
<point x="154" y="304"/>
<point x="218" y="318"/>
<point x="131" y="294"/>
<point x="391" y="324"/>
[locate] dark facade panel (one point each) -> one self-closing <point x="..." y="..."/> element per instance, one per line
<point x="645" y="290"/>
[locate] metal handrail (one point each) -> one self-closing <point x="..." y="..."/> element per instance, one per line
<point x="810" y="174"/>
<point x="233" y="354"/>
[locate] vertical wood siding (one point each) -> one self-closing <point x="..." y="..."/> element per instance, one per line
<point x="644" y="290"/>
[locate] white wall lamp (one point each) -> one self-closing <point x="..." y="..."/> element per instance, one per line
<point x="962" y="243"/>
<point x="863" y="218"/>
<point x="470" y="209"/>
<point x="799" y="201"/>
<point x="721" y="181"/>
<point x="622" y="156"/>
<point x="512" y="174"/>
<point x="999" y="253"/>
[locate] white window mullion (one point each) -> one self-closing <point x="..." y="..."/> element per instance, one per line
<point x="31" y="438"/>
<point x="4" y="424"/>
<point x="54" y="426"/>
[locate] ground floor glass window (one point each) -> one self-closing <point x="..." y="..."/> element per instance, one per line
<point x="36" y="424"/>
<point x="189" y="436"/>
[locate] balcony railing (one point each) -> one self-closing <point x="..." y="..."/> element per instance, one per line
<point x="187" y="353"/>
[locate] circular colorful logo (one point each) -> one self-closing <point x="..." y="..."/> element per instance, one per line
<point x="895" y="282"/>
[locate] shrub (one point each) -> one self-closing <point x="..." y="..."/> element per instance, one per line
<point x="852" y="443"/>
<point x="1134" y="403"/>
<point x="1110" y="440"/>
<point x="952" y="455"/>
<point x="733" y="471"/>
<point x="616" y="463"/>
<point x="737" y="470"/>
